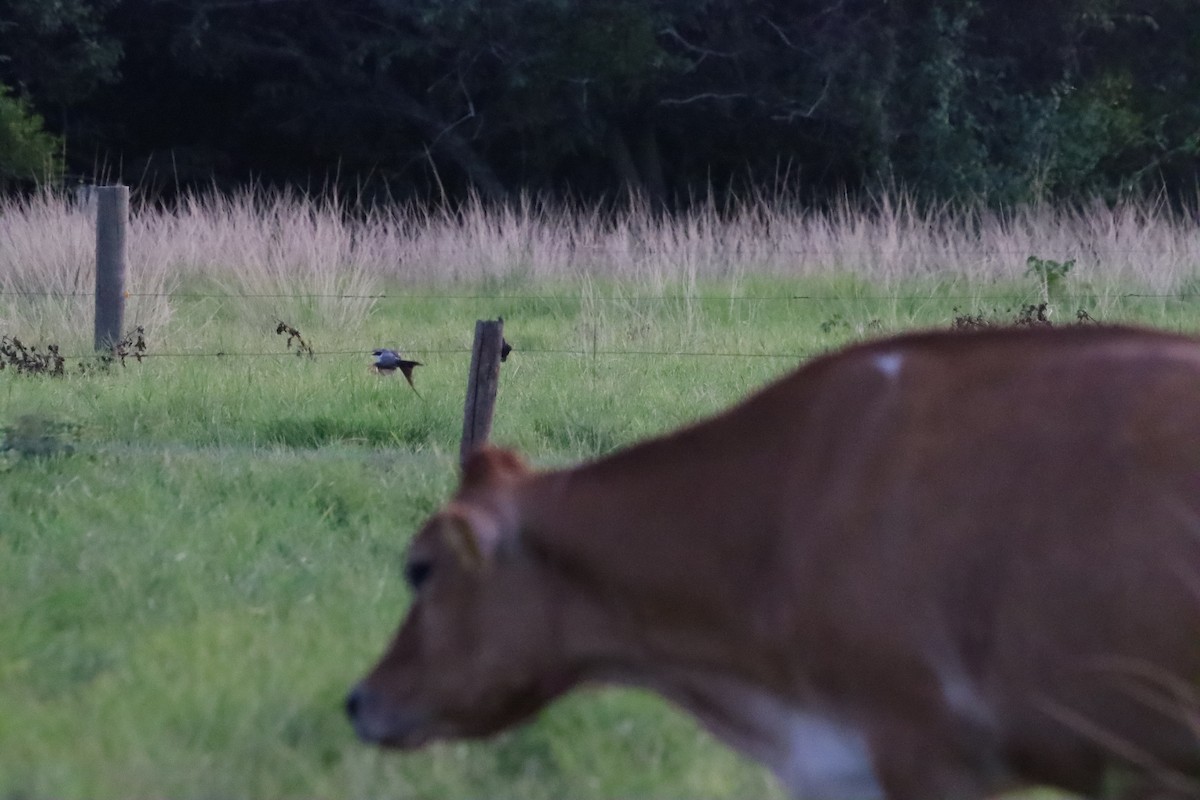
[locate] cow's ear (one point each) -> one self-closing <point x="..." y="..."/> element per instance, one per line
<point x="488" y="466"/>
<point x="470" y="538"/>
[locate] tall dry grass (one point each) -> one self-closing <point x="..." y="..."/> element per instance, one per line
<point x="256" y="244"/>
<point x="47" y="272"/>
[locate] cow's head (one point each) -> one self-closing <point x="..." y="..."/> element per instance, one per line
<point x="477" y="651"/>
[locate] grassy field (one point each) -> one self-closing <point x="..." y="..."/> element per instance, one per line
<point x="199" y="553"/>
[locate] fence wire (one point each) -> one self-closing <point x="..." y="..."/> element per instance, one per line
<point x="929" y="296"/>
<point x="426" y="351"/>
<point x="586" y="351"/>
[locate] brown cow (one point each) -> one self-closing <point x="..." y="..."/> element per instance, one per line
<point x="934" y="566"/>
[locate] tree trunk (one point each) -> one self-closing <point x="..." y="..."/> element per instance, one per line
<point x="619" y="154"/>
<point x="639" y="171"/>
<point x="649" y="162"/>
<point x="445" y="138"/>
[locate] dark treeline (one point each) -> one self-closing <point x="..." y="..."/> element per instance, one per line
<point x="1010" y="100"/>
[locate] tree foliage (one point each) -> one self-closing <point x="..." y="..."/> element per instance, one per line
<point x="669" y="99"/>
<point x="28" y="154"/>
<point x="57" y="50"/>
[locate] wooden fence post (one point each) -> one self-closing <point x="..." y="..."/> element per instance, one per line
<point x="112" y="218"/>
<point x="482" y="383"/>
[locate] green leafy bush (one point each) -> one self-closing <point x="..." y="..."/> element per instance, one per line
<point x="27" y="151"/>
<point x="1051" y="275"/>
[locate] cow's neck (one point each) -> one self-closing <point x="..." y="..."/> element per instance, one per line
<point x="641" y="605"/>
<point x="809" y="747"/>
<point x="677" y="561"/>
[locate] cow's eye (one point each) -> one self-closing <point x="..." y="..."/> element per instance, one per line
<point x="417" y="572"/>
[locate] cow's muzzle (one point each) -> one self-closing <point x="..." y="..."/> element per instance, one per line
<point x="378" y="722"/>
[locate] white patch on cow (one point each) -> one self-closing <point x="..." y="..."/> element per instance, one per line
<point x="889" y="364"/>
<point x="825" y="760"/>
<point x="812" y="754"/>
<point x="963" y="698"/>
<point x="815" y="755"/>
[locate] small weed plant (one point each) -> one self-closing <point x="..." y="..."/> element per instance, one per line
<point x="1051" y="275"/>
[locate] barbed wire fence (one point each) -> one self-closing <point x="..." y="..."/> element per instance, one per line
<point x="861" y="300"/>
<point x="111" y="209"/>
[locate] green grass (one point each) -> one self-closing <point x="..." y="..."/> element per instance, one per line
<point x="190" y="585"/>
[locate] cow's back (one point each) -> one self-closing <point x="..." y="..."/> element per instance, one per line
<point x="1015" y="520"/>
